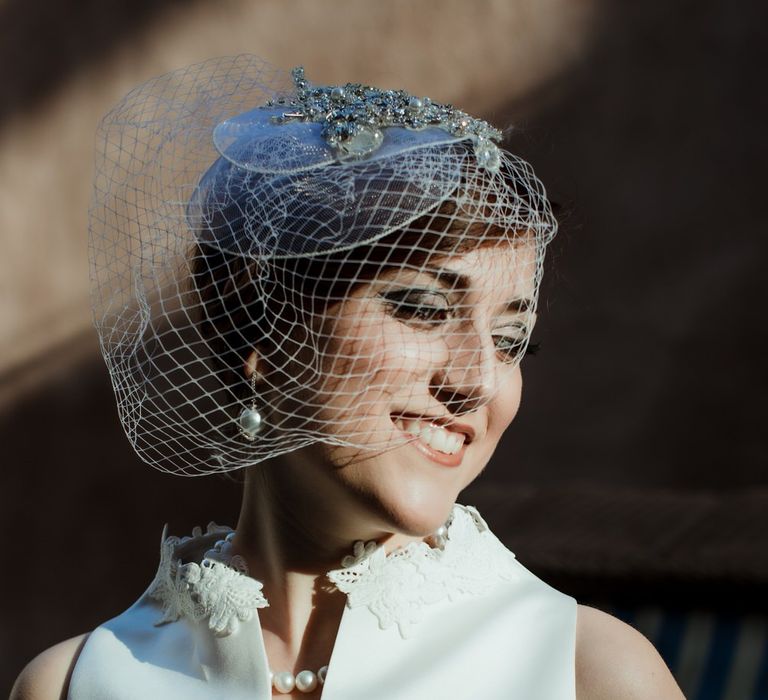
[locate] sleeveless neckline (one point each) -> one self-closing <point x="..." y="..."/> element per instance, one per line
<point x="462" y="622"/>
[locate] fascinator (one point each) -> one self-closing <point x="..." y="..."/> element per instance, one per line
<point x="236" y="207"/>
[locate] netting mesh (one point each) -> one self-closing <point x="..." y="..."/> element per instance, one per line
<point x="254" y="294"/>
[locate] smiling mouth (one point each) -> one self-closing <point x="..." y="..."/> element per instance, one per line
<point x="433" y="435"/>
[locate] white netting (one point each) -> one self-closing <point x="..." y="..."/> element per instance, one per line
<point x="378" y="298"/>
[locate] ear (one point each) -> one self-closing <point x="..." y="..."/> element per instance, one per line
<point x="254" y="363"/>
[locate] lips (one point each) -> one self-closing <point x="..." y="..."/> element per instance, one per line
<point x="438" y="438"/>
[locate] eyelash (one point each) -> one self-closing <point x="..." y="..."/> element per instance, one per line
<point x="401" y="307"/>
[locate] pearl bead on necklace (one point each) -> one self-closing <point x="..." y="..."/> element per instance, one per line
<point x="304" y="681"/>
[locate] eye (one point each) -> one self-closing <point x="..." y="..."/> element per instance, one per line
<point x="424" y="305"/>
<point x="511" y="345"/>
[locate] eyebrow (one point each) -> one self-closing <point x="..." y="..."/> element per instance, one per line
<point x="449" y="278"/>
<point x="455" y="280"/>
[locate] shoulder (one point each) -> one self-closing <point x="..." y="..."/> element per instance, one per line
<point x="614" y="660"/>
<point x="46" y="677"/>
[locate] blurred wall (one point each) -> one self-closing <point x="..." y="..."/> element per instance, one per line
<point x="652" y="370"/>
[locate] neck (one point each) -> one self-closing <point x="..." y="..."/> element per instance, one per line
<point x="294" y="528"/>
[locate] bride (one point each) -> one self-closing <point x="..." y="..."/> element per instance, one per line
<point x="337" y="307"/>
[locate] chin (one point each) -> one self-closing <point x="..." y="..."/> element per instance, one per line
<point x="416" y="504"/>
<point x="403" y="491"/>
<point x="421" y="521"/>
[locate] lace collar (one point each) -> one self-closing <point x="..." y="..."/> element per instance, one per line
<point x="394" y="587"/>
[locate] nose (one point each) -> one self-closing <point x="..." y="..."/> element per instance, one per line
<point x="469" y="377"/>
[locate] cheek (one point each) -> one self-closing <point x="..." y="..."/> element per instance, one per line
<point x="378" y="358"/>
<point x="505" y="405"/>
<point x="501" y="411"/>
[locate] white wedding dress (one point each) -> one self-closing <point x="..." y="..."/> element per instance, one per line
<point x="462" y="622"/>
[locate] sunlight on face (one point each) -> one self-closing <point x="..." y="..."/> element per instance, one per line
<point x="419" y="377"/>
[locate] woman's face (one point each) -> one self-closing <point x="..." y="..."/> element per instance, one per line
<point x="419" y="370"/>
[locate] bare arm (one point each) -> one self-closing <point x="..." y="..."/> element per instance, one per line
<point x="616" y="662"/>
<point x="47" y="676"/>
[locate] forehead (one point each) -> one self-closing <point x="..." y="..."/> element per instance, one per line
<point x="509" y="266"/>
<point x="505" y="269"/>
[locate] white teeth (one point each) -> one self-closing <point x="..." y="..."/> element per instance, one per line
<point x="411" y="426"/>
<point x="440" y="441"/>
<point x="436" y="437"/>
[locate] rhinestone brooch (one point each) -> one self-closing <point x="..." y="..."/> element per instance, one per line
<point x="354" y="117"/>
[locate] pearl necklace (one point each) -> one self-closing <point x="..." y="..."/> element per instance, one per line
<point x="304" y="681"/>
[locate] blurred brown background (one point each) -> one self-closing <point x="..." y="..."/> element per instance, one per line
<point x="635" y="475"/>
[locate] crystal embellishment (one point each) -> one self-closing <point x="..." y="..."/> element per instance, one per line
<point x="354" y="117"/>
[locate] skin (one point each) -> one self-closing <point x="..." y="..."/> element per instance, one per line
<point x="299" y="516"/>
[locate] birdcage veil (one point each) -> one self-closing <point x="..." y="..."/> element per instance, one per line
<point x="244" y="218"/>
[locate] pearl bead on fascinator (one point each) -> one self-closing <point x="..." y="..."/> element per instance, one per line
<point x="245" y="217"/>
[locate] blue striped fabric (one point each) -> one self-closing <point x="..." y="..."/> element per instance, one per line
<point x="713" y="656"/>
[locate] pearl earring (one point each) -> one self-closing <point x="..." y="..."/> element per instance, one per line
<point x="251" y="421"/>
